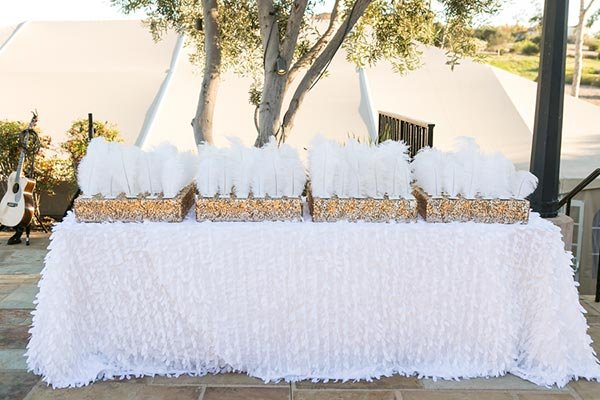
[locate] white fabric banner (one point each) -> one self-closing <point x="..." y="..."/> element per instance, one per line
<point x="309" y="300"/>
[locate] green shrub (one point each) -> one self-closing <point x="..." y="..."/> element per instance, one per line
<point x="530" y="49"/>
<point x="526" y="47"/>
<point x="593" y="47"/>
<point x="77" y="138"/>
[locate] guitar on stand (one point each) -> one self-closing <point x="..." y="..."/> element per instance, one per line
<point x="17" y="207"/>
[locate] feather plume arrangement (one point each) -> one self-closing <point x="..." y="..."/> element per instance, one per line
<point x="271" y="171"/>
<point x="453" y="175"/>
<point x="359" y="170"/>
<point x="90" y="171"/>
<point x="324" y="157"/>
<point x="209" y="172"/>
<point x="112" y="169"/>
<point x="428" y="166"/>
<point x="523" y="184"/>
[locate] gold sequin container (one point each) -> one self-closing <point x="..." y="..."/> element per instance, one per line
<point x="121" y="208"/>
<point x="250" y="209"/>
<point x="447" y="209"/>
<point x="368" y="209"/>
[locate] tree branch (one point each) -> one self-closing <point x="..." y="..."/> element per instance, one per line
<point x="293" y="30"/>
<point x="321" y="62"/>
<point x="269" y="32"/>
<point x="589" y="6"/>
<point x="314" y="51"/>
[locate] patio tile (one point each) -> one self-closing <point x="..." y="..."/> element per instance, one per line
<point x="590" y="308"/>
<point x="233" y="379"/>
<point x="507" y="382"/>
<point x="29" y="261"/>
<point x="456" y="395"/>
<point x="7" y="288"/>
<point x="13" y="359"/>
<point x="147" y="392"/>
<point x="22" y="297"/>
<point x="15" y="385"/>
<point x="19" y="279"/>
<point x="586" y="390"/>
<point x="247" y="393"/>
<point x="594" y="332"/>
<point x="392" y="382"/>
<point x="544" y="396"/>
<point x="343" y="395"/>
<point x="110" y="390"/>
<point x="14" y="327"/>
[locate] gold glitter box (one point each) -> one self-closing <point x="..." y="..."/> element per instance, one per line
<point x="121" y="208"/>
<point x="232" y="209"/>
<point x="368" y="209"/>
<point x="446" y="209"/>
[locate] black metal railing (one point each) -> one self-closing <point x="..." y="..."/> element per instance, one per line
<point x="566" y="202"/>
<point x="416" y="134"/>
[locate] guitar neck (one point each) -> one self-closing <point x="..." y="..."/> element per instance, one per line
<point x="22" y="154"/>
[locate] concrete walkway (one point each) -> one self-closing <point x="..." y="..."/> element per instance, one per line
<point x="19" y="273"/>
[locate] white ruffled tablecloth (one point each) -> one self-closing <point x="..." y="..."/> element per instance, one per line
<point x="309" y="300"/>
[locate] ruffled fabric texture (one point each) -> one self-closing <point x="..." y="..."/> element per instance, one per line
<point x="309" y="301"/>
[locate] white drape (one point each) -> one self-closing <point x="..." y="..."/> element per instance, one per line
<point x="309" y="300"/>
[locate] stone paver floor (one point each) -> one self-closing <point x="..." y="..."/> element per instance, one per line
<point x="19" y="273"/>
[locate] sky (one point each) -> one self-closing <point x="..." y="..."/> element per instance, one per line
<point x="15" y="11"/>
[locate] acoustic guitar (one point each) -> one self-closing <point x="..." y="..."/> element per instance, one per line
<point x="17" y="207"/>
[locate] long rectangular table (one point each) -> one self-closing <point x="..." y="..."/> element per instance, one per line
<point x="309" y="300"/>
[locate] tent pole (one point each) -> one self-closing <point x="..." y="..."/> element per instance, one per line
<point x="547" y="130"/>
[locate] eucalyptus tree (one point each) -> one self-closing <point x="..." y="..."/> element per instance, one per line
<point x="223" y="34"/>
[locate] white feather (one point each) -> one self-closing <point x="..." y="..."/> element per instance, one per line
<point x="241" y="164"/>
<point x="494" y="176"/>
<point x="173" y="176"/>
<point x="208" y="172"/>
<point x="91" y="168"/>
<point x="428" y="170"/>
<point x="116" y="170"/>
<point x="469" y="156"/>
<point x="453" y="175"/>
<point x="260" y="175"/>
<point x="393" y="169"/>
<point x="265" y="176"/>
<point x="145" y="180"/>
<point x="352" y="157"/>
<point x="131" y="163"/>
<point x="324" y="156"/>
<point x="294" y="176"/>
<point x="523" y="184"/>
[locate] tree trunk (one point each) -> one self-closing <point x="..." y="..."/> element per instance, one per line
<point x="321" y="62"/>
<point x="275" y="85"/>
<point x="578" y="66"/>
<point x="203" y="120"/>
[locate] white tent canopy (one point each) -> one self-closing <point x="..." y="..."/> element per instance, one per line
<point x="115" y="70"/>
